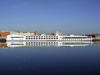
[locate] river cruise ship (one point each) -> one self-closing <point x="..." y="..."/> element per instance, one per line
<point x="55" y="36"/>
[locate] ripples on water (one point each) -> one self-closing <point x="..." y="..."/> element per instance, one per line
<point x="50" y="59"/>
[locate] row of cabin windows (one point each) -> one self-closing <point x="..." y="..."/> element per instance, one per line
<point x="41" y="38"/>
<point x="41" y="43"/>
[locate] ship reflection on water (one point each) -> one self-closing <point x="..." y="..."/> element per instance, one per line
<point x="12" y="44"/>
<point x="50" y="58"/>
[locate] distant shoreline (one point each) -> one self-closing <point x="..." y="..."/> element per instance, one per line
<point x="2" y="40"/>
<point x="96" y="39"/>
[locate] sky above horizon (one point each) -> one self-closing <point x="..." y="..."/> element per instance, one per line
<point x="47" y="16"/>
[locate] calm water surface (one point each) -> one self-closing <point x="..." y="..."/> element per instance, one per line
<point x="50" y="60"/>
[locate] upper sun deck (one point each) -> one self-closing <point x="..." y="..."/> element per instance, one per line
<point x="73" y="36"/>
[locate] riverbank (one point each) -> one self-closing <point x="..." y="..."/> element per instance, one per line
<point x="96" y="39"/>
<point x="96" y="42"/>
<point x="2" y="40"/>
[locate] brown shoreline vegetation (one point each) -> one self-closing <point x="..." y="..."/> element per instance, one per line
<point x="2" y="40"/>
<point x="96" y="39"/>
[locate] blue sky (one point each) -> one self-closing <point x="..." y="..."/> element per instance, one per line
<point x="47" y="16"/>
